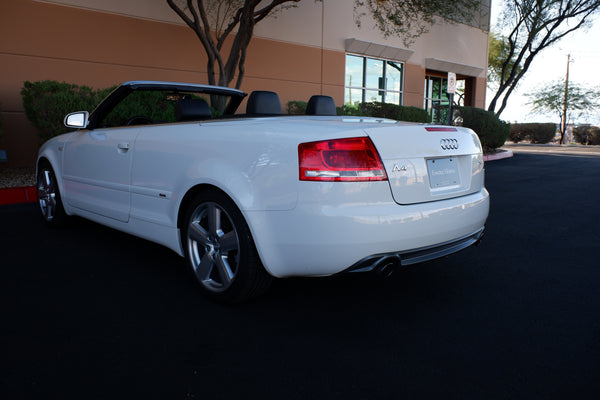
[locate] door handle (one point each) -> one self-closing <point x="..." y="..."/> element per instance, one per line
<point x="123" y="147"/>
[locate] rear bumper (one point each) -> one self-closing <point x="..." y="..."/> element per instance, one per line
<point x="404" y="258"/>
<point x="327" y="233"/>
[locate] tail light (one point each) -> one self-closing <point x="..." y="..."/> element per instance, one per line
<point x="350" y="159"/>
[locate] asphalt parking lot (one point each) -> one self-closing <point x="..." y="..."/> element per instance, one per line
<point x="90" y="313"/>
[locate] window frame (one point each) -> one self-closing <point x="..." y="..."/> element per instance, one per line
<point x="382" y="89"/>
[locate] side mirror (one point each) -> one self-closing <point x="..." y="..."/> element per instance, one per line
<point x="77" y="119"/>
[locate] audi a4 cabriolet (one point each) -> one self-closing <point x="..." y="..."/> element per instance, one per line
<point x="248" y="197"/>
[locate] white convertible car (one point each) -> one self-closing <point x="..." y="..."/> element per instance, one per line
<point x="248" y="197"/>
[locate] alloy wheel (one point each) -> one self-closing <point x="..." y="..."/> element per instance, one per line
<point x="213" y="246"/>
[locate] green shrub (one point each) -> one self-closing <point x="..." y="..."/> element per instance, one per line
<point x="296" y="107"/>
<point x="533" y="132"/>
<point x="350" y="110"/>
<point x="152" y="104"/>
<point x="386" y="110"/>
<point x="491" y="130"/>
<point x="587" y="134"/>
<point x="46" y="104"/>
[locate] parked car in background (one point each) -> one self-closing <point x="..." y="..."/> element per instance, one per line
<point x="248" y="197"/>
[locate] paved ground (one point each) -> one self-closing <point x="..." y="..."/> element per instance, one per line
<point x="553" y="149"/>
<point x="90" y="313"/>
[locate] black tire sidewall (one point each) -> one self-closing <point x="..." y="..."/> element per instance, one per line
<point x="60" y="216"/>
<point x="242" y="287"/>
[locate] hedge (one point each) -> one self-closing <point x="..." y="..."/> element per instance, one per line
<point x="491" y="130"/>
<point x="392" y="111"/>
<point x="46" y="104"/>
<point x="587" y="134"/>
<point x="533" y="132"/>
<point x="374" y="109"/>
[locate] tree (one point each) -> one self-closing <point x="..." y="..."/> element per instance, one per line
<point x="551" y="98"/>
<point x="532" y="26"/>
<point x="499" y="49"/>
<point x="409" y="19"/>
<point x="214" y="20"/>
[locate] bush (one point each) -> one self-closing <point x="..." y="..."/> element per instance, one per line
<point x="296" y="107"/>
<point x="533" y="132"/>
<point x="385" y="110"/>
<point x="587" y="134"/>
<point x="491" y="130"/>
<point x="152" y="104"/>
<point x="46" y="104"/>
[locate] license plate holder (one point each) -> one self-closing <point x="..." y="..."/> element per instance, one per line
<point x="443" y="172"/>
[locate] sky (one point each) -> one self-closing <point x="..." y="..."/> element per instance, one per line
<point x="551" y="65"/>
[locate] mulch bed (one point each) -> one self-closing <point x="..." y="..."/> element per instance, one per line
<point x="11" y="177"/>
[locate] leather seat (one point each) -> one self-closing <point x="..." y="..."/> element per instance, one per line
<point x="321" y="105"/>
<point x="192" y="110"/>
<point x="262" y="102"/>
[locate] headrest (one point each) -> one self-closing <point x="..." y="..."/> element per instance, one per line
<point x="262" y="102"/>
<point x="321" y="105"/>
<point x="192" y="109"/>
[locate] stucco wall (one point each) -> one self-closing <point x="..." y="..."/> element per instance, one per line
<point x="100" y="43"/>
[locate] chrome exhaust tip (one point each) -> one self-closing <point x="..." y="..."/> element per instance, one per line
<point x="385" y="267"/>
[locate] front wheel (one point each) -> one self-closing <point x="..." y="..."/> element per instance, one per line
<point x="220" y="251"/>
<point x="48" y="195"/>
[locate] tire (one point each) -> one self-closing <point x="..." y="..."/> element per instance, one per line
<point x="48" y="194"/>
<point x="220" y="251"/>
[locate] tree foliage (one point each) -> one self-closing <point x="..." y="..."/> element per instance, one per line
<point x="531" y="26"/>
<point x="409" y="19"/>
<point x="550" y="99"/>
<point x="214" y="20"/>
<point x="499" y="50"/>
<point x="217" y="22"/>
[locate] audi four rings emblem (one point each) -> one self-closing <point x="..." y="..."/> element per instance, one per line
<point x="449" y="144"/>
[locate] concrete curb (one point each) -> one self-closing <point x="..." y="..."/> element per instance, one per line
<point x="498" y="156"/>
<point x="27" y="194"/>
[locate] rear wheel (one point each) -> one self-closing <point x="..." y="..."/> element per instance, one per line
<point x="48" y="195"/>
<point x="220" y="251"/>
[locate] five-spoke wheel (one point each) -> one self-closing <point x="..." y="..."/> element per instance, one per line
<point x="220" y="250"/>
<point x="214" y="246"/>
<point x="49" y="195"/>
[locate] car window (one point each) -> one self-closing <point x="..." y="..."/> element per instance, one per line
<point x="141" y="108"/>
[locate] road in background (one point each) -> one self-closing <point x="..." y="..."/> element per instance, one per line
<point x="91" y="313"/>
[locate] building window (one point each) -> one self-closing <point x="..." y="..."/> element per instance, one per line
<point x="373" y="79"/>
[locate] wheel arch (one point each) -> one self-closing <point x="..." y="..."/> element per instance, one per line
<point x="189" y="196"/>
<point x="51" y="154"/>
<point x="43" y="161"/>
<point x="204" y="187"/>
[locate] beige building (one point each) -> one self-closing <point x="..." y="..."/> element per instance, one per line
<point x="315" y="48"/>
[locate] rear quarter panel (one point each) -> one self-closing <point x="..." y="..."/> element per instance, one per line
<point x="255" y="166"/>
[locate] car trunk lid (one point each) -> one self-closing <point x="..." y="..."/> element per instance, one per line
<point x="429" y="163"/>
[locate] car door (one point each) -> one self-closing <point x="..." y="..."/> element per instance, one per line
<point x="97" y="171"/>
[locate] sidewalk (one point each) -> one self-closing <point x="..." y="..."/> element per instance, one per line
<point x="573" y="149"/>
